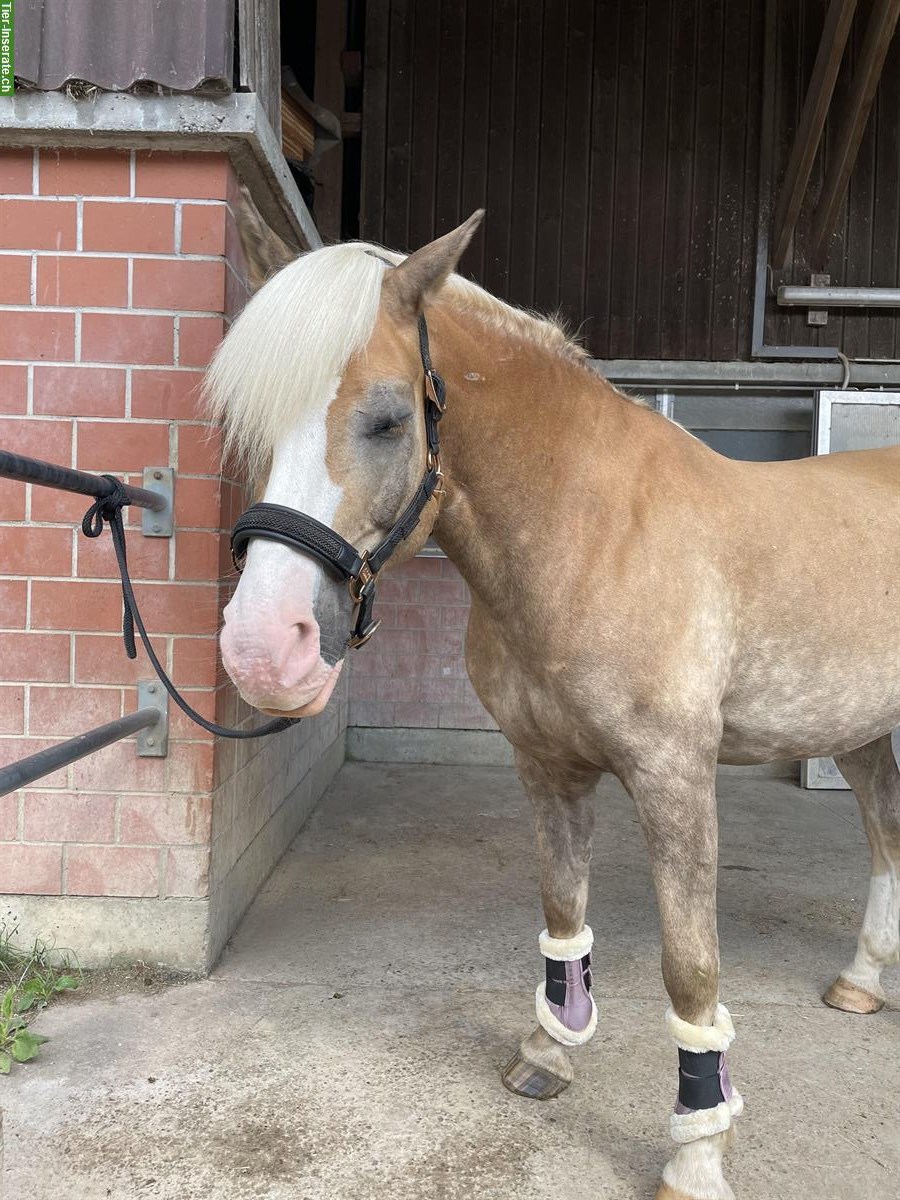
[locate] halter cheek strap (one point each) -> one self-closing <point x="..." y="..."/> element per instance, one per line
<point x="358" y="569"/>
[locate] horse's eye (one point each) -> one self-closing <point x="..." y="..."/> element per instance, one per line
<point x="387" y="427"/>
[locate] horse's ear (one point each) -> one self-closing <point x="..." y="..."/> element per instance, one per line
<point x="264" y="250"/>
<point x="418" y="279"/>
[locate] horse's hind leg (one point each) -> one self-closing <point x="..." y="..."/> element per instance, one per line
<point x="872" y="773"/>
<point x="564" y="816"/>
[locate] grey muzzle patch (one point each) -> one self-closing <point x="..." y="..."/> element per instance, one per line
<point x="332" y="611"/>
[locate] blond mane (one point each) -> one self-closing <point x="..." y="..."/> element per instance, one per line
<point x="297" y="334"/>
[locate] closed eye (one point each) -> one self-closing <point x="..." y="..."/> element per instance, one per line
<point x="387" y="427"/>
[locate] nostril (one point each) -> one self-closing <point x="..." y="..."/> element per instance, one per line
<point x="300" y="652"/>
<point x="305" y="630"/>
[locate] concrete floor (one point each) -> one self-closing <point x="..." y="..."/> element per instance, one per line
<point x="349" y="1045"/>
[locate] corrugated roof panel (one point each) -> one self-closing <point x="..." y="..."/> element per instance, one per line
<point x="117" y="43"/>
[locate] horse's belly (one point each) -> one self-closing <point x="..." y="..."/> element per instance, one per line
<point x="811" y="710"/>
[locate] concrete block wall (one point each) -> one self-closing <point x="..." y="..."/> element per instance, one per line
<point x="118" y="270"/>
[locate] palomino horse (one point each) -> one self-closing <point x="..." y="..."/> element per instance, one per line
<point x="637" y="607"/>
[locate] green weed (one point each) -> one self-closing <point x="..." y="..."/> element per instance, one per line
<point x="29" y="980"/>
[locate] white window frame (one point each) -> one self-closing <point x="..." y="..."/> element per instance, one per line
<point x="821" y="773"/>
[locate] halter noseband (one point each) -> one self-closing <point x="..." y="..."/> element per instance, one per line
<point x="358" y="569"/>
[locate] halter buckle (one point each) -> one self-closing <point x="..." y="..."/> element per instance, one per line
<point x="432" y="393"/>
<point x="362" y="581"/>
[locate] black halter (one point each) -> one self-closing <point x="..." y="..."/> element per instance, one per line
<point x="358" y="570"/>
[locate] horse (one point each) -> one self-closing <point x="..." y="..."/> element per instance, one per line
<point x="637" y="608"/>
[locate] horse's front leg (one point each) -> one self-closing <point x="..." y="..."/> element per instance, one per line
<point x="564" y="816"/>
<point x="677" y="809"/>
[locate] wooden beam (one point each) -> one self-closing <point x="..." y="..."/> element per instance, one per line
<point x="879" y="31"/>
<point x="835" y="31"/>
<point x="331" y="37"/>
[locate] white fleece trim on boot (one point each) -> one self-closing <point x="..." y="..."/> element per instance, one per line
<point x="549" y="1021"/>
<point x="701" y="1038"/>
<point x="704" y="1122"/>
<point x="566" y="949"/>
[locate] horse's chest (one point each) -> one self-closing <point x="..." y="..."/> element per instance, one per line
<point x="536" y="700"/>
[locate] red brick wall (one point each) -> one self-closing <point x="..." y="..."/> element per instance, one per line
<point x="117" y="269"/>
<point x="412" y="674"/>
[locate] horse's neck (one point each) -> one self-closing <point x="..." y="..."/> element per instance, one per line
<point x="526" y="428"/>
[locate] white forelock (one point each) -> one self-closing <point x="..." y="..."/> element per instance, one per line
<point x="295" y="337"/>
<point x="288" y="346"/>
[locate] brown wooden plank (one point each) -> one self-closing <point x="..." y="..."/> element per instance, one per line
<point x="679" y="200"/>
<point x="879" y="31"/>
<point x="812" y="17"/>
<point x="399" y="125"/>
<point x="447" y="213"/>
<point x="836" y="262"/>
<point x="654" y="166"/>
<point x="604" y="102"/>
<point x="701" y="279"/>
<point x="329" y="92"/>
<point x="835" y="31"/>
<point x="526" y="154"/>
<point x="374" y="126"/>
<point x="550" y="183"/>
<point x="423" y="154"/>
<point x="576" y="161"/>
<point x="752" y="75"/>
<point x="625" y="247"/>
<point x="498" y="235"/>
<point x="731" y="185"/>
<point x="859" y="262"/>
<point x="298" y="134"/>
<point x="883" y="325"/>
<point x="474" y="185"/>
<point x="786" y="104"/>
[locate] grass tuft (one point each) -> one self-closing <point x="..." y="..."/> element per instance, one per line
<point x="29" y="980"/>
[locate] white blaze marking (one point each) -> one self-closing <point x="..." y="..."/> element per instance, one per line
<point x="276" y="576"/>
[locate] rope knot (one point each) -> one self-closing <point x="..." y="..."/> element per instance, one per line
<point x="105" y="508"/>
<point x="108" y="509"/>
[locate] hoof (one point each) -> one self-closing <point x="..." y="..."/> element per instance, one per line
<point x="851" y="999"/>
<point x="526" y="1079"/>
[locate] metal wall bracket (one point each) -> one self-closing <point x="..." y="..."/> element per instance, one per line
<point x="153" y="742"/>
<point x="160" y="480"/>
<point x="818" y="316"/>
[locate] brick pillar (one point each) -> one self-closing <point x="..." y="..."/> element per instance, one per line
<point x="119" y="269"/>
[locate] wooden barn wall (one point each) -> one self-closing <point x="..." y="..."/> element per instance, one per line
<point x="616" y="147"/>
<point x="866" y="247"/>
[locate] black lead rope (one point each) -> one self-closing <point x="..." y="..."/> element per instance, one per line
<point x="292" y="528"/>
<point x="108" y="509"/>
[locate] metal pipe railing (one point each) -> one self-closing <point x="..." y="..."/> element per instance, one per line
<point x="838" y="297"/>
<point x="27" y="770"/>
<point x="33" y="470"/>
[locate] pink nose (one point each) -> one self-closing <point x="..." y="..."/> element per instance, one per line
<point x="274" y="664"/>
